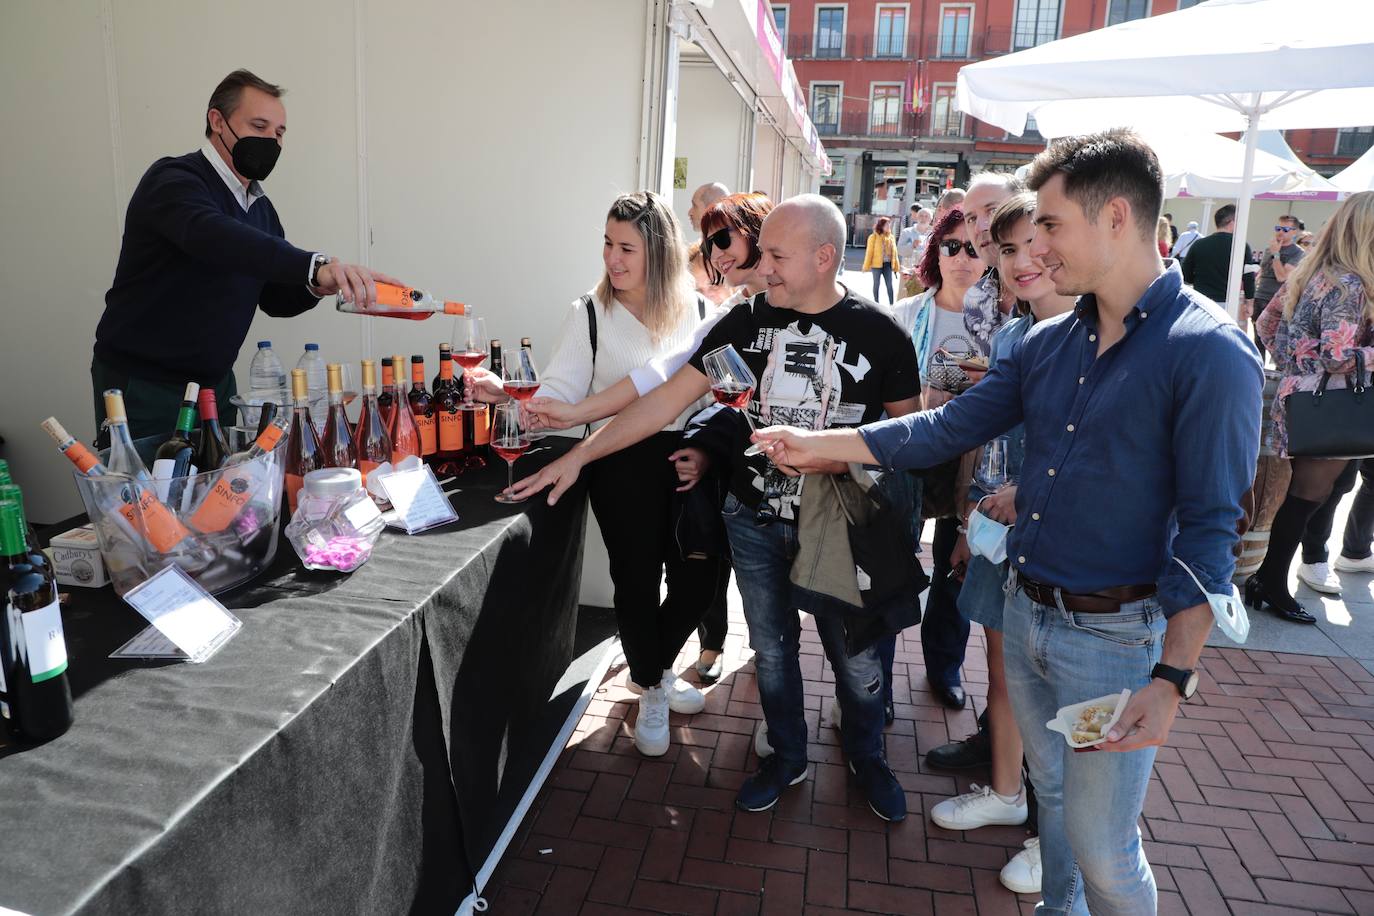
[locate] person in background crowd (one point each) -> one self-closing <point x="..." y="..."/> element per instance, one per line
<point x="801" y="341"/>
<point x="1314" y="570"/>
<point x="935" y="322"/>
<point x="1186" y="238"/>
<point x="1095" y="592"/>
<point x="1162" y="236"/>
<point x="203" y="250"/>
<point x="1173" y="230"/>
<point x="910" y="242"/>
<point x="1305" y="241"/>
<point x="1208" y="263"/>
<point x="1328" y="311"/>
<point x="981" y="599"/>
<point x="645" y="307"/>
<point x="702" y="198"/>
<point x="951" y="199"/>
<point x="701" y="279"/>
<point x="881" y="257"/>
<point x="1276" y="264"/>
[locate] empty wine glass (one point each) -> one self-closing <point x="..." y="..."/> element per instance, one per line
<point x="520" y="380"/>
<point x="991" y="473"/>
<point x="510" y="441"/>
<point x="470" y="351"/>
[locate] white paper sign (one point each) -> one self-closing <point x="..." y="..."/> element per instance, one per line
<point x="184" y="612"/>
<point x="149" y="643"/>
<point x="418" y="499"/>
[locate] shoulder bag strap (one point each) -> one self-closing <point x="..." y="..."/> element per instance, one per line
<point x="589" y="307"/>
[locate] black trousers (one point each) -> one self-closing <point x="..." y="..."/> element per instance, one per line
<point x="631" y="493"/>
<point x="944" y="631"/>
<point x="1359" y="524"/>
<point x="715" y="622"/>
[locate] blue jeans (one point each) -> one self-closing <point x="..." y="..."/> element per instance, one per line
<point x="762" y="558"/>
<point x="1089" y="802"/>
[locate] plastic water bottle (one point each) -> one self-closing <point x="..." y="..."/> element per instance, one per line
<point x="313" y="364"/>
<point x="266" y="373"/>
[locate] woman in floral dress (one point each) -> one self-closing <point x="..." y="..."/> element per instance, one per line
<point x="1327" y="318"/>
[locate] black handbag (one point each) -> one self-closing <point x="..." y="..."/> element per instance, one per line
<point x="1332" y="424"/>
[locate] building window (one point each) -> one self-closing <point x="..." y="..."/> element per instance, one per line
<point x="1126" y="10"/>
<point x="837" y="172"/>
<point x="945" y="120"/>
<point x="780" y="21"/>
<point x="890" y="35"/>
<point x="825" y="108"/>
<point x="1037" y="21"/>
<point x="956" y="25"/>
<point x="1184" y="4"/>
<point x="1354" y="141"/>
<point x="830" y="31"/>
<point x="885" y="110"/>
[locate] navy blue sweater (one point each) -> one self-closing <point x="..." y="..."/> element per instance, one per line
<point x="192" y="268"/>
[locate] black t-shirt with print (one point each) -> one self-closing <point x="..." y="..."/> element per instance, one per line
<point x="833" y="369"/>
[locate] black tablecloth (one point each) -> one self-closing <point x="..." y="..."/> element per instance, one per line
<point x="336" y="756"/>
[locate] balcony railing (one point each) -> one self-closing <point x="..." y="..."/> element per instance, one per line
<point x="954" y="47"/>
<point x="889" y="47"/>
<point x="822" y="47"/>
<point x="1350" y="143"/>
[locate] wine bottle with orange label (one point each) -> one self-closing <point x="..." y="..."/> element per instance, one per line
<point x="448" y="414"/>
<point x="151" y="524"/>
<point x="386" y="393"/>
<point x="339" y="450"/>
<point x="403" y="302"/>
<point x="422" y="408"/>
<point x="241" y="477"/>
<point x="371" y="436"/>
<point x="303" y="451"/>
<point x="405" y="435"/>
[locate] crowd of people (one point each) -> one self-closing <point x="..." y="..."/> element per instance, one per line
<point x="1055" y="359"/>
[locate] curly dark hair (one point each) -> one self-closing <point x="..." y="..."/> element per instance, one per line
<point x="928" y="271"/>
<point x="743" y="213"/>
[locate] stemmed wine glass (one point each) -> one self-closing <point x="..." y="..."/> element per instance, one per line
<point x="991" y="473"/>
<point x="470" y="351"/>
<point x="510" y="441"/>
<point x="732" y="383"/>
<point x="520" y="380"/>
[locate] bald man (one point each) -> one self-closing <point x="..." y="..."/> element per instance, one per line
<point x="824" y="357"/>
<point x="702" y="198"/>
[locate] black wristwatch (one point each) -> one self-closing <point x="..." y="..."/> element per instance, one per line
<point x="1184" y="680"/>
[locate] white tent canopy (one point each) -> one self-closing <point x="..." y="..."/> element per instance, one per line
<point x="1358" y="175"/>
<point x="1209" y="165"/>
<point x="1221" y="66"/>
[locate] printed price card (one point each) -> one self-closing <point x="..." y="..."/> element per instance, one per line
<point x="418" y="500"/>
<point x="190" y="618"/>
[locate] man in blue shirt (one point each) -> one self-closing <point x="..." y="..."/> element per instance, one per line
<point x="1142" y="415"/>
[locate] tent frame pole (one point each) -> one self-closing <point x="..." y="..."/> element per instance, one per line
<point x="1233" y="286"/>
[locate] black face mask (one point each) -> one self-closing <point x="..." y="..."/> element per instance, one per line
<point x="254" y="157"/>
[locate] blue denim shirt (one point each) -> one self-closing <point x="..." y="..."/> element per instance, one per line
<point x="1131" y="459"/>
<point x="1003" y="339"/>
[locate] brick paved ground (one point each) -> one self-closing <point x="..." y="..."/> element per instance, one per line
<point x="1261" y="804"/>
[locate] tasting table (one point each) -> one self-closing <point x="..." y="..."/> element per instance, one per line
<point x="348" y="751"/>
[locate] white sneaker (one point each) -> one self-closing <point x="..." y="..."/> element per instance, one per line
<point x="682" y="696"/>
<point x="761" y="745"/>
<point x="1347" y="564"/>
<point x="835" y="713"/>
<point x="651" y="727"/>
<point x="978" y="808"/>
<point x="1318" y="577"/>
<point x="1022" y="874"/>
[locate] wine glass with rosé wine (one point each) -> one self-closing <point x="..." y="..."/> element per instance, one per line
<point x="508" y="440"/>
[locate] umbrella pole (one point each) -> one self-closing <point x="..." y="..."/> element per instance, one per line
<point x="1234" y="287"/>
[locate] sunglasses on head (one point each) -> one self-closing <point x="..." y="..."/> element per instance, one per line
<point x="1285" y="228"/>
<point x="719" y="239"/>
<point x="951" y="247"/>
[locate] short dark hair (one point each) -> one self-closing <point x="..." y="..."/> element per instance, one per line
<point x="1291" y="220"/>
<point x="1224" y="215"/>
<point x="915" y="207"/>
<point x="928" y="271"/>
<point x="1102" y="166"/>
<point x="1010" y="212"/>
<point x="743" y="213"/>
<point x="227" y="95"/>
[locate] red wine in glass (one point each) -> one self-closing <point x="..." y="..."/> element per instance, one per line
<point x="732" y="394"/>
<point x="520" y="390"/>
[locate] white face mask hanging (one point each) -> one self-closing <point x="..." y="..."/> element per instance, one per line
<point x="987" y="538"/>
<point x="1229" y="610"/>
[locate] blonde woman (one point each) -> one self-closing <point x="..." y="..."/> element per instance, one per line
<point x="643" y="308"/>
<point x="1164" y="236"/>
<point x="1328" y="314"/>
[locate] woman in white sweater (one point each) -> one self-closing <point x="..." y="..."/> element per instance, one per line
<point x="644" y="307"/>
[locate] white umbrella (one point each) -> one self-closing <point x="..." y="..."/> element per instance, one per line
<point x="1221" y="66"/>
<point x="1210" y="165"/>
<point x="1358" y="175"/>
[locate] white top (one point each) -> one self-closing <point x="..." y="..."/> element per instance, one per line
<point x="657" y="370"/>
<point x="245" y="196"/>
<point x="622" y="344"/>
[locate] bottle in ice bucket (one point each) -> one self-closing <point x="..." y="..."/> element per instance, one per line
<point x="371" y="437"/>
<point x="241" y="477"/>
<point x="402" y="302"/>
<point x="152" y="525"/>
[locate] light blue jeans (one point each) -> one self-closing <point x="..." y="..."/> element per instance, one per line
<point x="1089" y="801"/>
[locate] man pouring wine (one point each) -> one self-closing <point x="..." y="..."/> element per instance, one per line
<point x="203" y="249"/>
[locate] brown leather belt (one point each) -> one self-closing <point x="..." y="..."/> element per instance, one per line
<point x="1106" y="601"/>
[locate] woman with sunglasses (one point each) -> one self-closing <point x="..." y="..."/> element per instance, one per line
<point x="881" y="257"/>
<point x="645" y="307"/>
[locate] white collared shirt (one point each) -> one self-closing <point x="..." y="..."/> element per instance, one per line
<point x="245" y="196"/>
